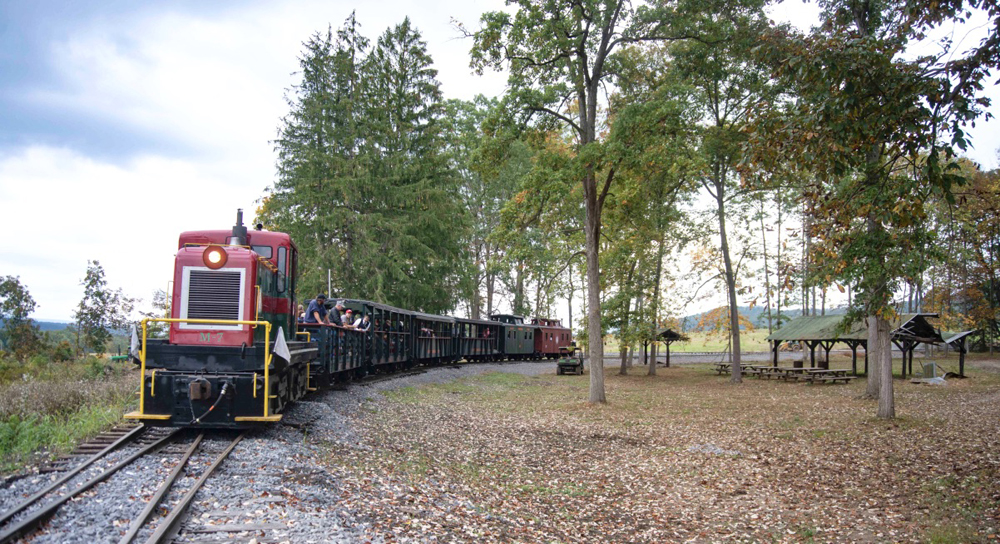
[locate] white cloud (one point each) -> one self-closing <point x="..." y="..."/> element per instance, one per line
<point x="71" y="208"/>
<point x="212" y="82"/>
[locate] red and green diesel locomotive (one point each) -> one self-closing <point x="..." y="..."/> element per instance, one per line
<point x="231" y="357"/>
<point x="234" y="355"/>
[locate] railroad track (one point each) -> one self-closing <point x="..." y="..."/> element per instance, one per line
<point x="178" y="446"/>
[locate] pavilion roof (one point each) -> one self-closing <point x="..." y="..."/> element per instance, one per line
<point x="952" y="337"/>
<point x="828" y="328"/>
<point x="670" y="335"/>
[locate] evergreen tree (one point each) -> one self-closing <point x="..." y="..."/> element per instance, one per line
<point x="363" y="186"/>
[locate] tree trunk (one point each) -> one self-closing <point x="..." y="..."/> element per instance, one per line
<point x="519" y="288"/>
<point x="734" y="316"/>
<point x="877" y="342"/>
<point x="656" y="291"/>
<point x="886" y="401"/>
<point x="476" y="304"/>
<point x="491" y="282"/>
<point x="595" y="344"/>
<point x="623" y="371"/>
<point x="805" y="261"/>
<point x="569" y="298"/>
<point x="777" y="258"/>
<point x="767" y="273"/>
<point x="652" y="360"/>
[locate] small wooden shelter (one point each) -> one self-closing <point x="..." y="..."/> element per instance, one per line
<point x="667" y="337"/>
<point x="958" y="341"/>
<point x="906" y="332"/>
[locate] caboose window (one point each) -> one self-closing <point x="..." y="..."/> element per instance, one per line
<point x="212" y="294"/>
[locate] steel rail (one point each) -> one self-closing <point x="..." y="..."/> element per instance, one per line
<point x="169" y="526"/>
<point x="69" y="475"/>
<point x="46" y="511"/>
<point x="154" y="501"/>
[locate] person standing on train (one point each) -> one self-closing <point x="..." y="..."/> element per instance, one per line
<point x="335" y="315"/>
<point x="317" y="312"/>
<point x="362" y="323"/>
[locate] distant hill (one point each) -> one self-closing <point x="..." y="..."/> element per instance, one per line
<point x="51" y="325"/>
<point x="757" y="315"/>
<point x="47" y="325"/>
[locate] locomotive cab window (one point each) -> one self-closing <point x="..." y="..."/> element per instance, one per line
<point x="263" y="251"/>
<point x="282" y="262"/>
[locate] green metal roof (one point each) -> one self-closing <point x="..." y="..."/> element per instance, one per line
<point x="828" y="328"/>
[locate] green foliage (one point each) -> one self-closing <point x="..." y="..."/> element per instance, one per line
<point x="560" y="57"/>
<point x="101" y="310"/>
<point x="490" y="157"/>
<point x="363" y="183"/>
<point x="63" y="351"/>
<point x="963" y="283"/>
<point x="160" y="308"/>
<point x="19" y="335"/>
<point x="877" y="130"/>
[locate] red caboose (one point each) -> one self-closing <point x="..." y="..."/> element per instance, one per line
<point x="552" y="338"/>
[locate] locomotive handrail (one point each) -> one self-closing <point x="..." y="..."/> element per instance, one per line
<point x="267" y="354"/>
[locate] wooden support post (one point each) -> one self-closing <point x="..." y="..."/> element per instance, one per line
<point x="912" y="349"/>
<point x="961" y="357"/>
<point x="812" y="354"/>
<point x="866" y="357"/>
<point x="902" y="349"/>
<point x="774" y="348"/>
<point x="668" y="355"/>
<point x="854" y="358"/>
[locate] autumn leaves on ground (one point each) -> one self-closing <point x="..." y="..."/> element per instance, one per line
<point x="683" y="456"/>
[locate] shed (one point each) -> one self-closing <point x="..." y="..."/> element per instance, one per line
<point x="905" y="330"/>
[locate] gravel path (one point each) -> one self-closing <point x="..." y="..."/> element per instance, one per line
<point x="272" y="481"/>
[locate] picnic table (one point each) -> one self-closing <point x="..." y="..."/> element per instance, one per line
<point x="790" y="373"/>
<point x="753" y="370"/>
<point x="826" y="375"/>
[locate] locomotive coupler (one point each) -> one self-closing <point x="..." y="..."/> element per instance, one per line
<point x="199" y="389"/>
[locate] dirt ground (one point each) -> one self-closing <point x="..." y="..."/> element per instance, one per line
<point x="684" y="456"/>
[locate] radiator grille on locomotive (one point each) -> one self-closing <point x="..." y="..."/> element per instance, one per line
<point x="214" y="294"/>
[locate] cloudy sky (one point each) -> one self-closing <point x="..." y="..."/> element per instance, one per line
<point x="123" y="123"/>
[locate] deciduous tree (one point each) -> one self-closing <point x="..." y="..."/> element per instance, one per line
<point x="20" y="335"/>
<point x="101" y="310"/>
<point x="879" y="131"/>
<point x="559" y="54"/>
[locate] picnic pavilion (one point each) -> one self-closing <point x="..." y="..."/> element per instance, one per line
<point x="906" y="331"/>
<point x="667" y="337"/>
<point x="957" y="340"/>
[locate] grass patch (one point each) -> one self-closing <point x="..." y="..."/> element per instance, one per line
<point x="48" y="412"/>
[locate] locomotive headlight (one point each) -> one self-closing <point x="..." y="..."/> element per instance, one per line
<point x="215" y="257"/>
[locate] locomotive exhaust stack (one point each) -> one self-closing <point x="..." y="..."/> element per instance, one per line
<point x="239" y="231"/>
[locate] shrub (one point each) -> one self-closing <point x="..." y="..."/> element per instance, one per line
<point x="62" y="352"/>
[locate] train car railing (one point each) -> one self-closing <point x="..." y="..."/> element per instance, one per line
<point x="433" y="347"/>
<point x="389" y="346"/>
<point x="268" y="355"/>
<point x="341" y="348"/>
<point x="477" y="346"/>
